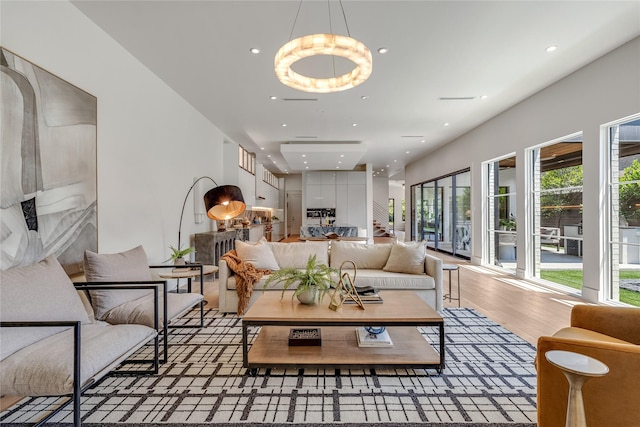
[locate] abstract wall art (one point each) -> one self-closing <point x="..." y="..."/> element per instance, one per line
<point x="48" y="196"/>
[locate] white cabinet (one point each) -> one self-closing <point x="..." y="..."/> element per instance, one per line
<point x="356" y="205"/>
<point x="320" y="190"/>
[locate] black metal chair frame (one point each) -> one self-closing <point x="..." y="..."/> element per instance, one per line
<point x="78" y="389"/>
<point x="165" y="311"/>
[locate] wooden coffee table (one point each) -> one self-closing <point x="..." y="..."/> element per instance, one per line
<point x="401" y="312"/>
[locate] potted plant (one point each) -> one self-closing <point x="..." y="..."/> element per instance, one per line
<point x="177" y="254"/>
<point x="312" y="283"/>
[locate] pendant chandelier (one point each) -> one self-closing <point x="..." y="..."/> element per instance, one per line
<point x="323" y="44"/>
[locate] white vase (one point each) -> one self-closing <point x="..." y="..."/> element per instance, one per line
<point x="309" y="296"/>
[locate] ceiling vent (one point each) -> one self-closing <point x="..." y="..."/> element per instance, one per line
<point x="457" y="98"/>
<point x="299" y="99"/>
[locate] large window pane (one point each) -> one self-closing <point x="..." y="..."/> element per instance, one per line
<point x="624" y="142"/>
<point x="557" y="212"/>
<point x="501" y="213"/>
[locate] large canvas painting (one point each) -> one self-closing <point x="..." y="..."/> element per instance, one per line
<point x="48" y="172"/>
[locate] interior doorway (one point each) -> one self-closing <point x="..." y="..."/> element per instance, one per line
<point x="293" y="212"/>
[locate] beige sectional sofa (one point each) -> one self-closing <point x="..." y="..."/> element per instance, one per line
<point x="396" y="266"/>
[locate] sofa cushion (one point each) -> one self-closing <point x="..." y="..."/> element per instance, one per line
<point x="382" y="280"/>
<point x="364" y="256"/>
<point x="406" y="258"/>
<point x="296" y="254"/>
<point x="140" y="311"/>
<point x="124" y="266"/>
<point x="585" y="334"/>
<point x="37" y="292"/>
<point x="259" y="254"/>
<point x="46" y="367"/>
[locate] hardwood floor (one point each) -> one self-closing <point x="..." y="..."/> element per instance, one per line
<point x="524" y="308"/>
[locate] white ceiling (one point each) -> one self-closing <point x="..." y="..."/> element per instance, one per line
<point x="437" y="49"/>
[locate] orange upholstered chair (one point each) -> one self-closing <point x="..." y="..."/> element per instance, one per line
<point x="611" y="335"/>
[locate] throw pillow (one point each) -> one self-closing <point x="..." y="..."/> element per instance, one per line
<point x="296" y="254"/>
<point x="129" y="265"/>
<point x="406" y="258"/>
<point x="259" y="254"/>
<point x="372" y="257"/>
<point x="37" y="292"/>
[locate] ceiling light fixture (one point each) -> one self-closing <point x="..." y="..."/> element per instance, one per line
<point x="551" y="48"/>
<point x="383" y="50"/>
<point x="323" y="44"/>
<point x="273" y="98"/>
<point x="254" y="50"/>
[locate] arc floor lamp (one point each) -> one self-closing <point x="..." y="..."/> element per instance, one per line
<point x="221" y="202"/>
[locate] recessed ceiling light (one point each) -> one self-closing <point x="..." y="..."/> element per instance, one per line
<point x="382" y="170"/>
<point x="273" y="98"/>
<point x="407" y="152"/>
<point x="268" y="155"/>
<point x="306" y="167"/>
<point x="383" y="50"/>
<point x="484" y="97"/>
<point x="305" y="162"/>
<point x="364" y="97"/>
<point x="341" y="155"/>
<point x="387" y="165"/>
<point x="423" y="141"/>
<point x="254" y="50"/>
<point x="337" y="167"/>
<point x="551" y="48"/>
<point x="304" y="155"/>
<point x="339" y="162"/>
<point x="446" y="124"/>
<point x="395" y="161"/>
<point x="262" y="148"/>
<point x="354" y="124"/>
<point x="284" y="125"/>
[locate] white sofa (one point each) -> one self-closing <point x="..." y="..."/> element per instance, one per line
<point x="396" y="266"/>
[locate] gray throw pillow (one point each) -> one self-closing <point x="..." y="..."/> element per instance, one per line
<point x="37" y="292"/>
<point x="130" y="265"/>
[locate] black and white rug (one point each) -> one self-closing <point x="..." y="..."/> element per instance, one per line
<point x="489" y="380"/>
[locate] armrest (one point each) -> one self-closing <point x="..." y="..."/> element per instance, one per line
<point x="140" y="284"/>
<point x="433" y="268"/>
<point x="619" y="322"/>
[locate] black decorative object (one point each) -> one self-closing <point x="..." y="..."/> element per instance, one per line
<point x="307" y="336"/>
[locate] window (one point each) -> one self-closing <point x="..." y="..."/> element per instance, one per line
<point x="246" y="160"/>
<point x="501" y="238"/>
<point x="624" y="189"/>
<point x="441" y="213"/>
<point x="270" y="178"/>
<point x="557" y="211"/>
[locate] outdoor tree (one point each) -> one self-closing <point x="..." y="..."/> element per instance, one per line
<point x="561" y="192"/>
<point x="629" y="197"/>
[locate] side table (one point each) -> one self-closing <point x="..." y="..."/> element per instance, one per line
<point x="450" y="268"/>
<point x="189" y="272"/>
<point x="578" y="368"/>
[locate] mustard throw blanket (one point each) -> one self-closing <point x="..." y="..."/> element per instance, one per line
<point x="247" y="276"/>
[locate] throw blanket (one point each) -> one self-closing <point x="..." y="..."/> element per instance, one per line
<point x="247" y="276"/>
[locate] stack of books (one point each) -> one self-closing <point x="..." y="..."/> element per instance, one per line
<point x="369" y="340"/>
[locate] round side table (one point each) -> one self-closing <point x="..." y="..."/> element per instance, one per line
<point x="189" y="273"/>
<point x="578" y="368"/>
<point x="450" y="268"/>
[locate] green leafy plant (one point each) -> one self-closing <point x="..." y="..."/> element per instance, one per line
<point x="177" y="253"/>
<point x="315" y="274"/>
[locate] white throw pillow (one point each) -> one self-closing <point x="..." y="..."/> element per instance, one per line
<point x="372" y="257"/>
<point x="406" y="258"/>
<point x="259" y="254"/>
<point x="37" y="292"/>
<point x="129" y="265"/>
<point x="296" y="254"/>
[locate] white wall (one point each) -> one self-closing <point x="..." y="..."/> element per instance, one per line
<point x="151" y="143"/>
<point x="606" y="90"/>
<point x="396" y="192"/>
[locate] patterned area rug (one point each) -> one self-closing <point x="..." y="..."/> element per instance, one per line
<point x="489" y="380"/>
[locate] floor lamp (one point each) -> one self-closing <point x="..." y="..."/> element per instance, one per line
<point x="221" y="202"/>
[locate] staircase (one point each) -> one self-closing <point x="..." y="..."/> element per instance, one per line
<point x="381" y="227"/>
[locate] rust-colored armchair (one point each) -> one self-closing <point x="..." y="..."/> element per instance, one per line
<point x="611" y="335"/>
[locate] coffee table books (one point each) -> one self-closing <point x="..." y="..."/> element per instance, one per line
<point x="365" y="339"/>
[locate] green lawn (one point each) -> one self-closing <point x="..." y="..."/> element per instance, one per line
<point x="573" y="279"/>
